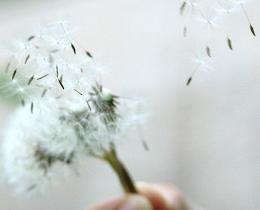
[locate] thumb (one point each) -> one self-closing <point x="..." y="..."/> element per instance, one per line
<point x="129" y="202"/>
<point x="136" y="202"/>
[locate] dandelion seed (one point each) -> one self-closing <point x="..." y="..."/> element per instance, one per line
<point x="32" y="106"/>
<point x="14" y="73"/>
<point x="88" y="54"/>
<point x="145" y="145"/>
<point x="73" y="48"/>
<point x="31" y="38"/>
<point x="39" y="78"/>
<point x="230" y="45"/>
<point x="44" y="93"/>
<point x="183" y="6"/>
<point x="88" y="105"/>
<point x="208" y="51"/>
<point x="189" y="81"/>
<point x="78" y="92"/>
<point x="60" y="82"/>
<point x="57" y="71"/>
<point x="252" y="30"/>
<point x="248" y="19"/>
<point x="184" y="31"/>
<point x="30" y="80"/>
<point x="61" y="78"/>
<point x="26" y="59"/>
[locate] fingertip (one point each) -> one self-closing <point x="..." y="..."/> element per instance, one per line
<point x="128" y="202"/>
<point x="153" y="196"/>
<point x="111" y="204"/>
<point x="164" y="196"/>
<point x="173" y="197"/>
<point x="136" y="202"/>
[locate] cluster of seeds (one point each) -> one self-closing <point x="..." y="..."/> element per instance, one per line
<point x="210" y="13"/>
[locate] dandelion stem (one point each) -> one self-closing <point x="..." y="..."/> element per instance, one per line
<point x="121" y="171"/>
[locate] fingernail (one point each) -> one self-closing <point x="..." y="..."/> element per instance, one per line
<point x="136" y="202"/>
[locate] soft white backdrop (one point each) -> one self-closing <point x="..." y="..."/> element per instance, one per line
<point x="204" y="138"/>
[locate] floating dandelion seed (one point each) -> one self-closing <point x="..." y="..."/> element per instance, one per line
<point x="145" y="145"/>
<point x="185" y="31"/>
<point x="88" y="54"/>
<point x="229" y="42"/>
<point x="201" y="63"/>
<point x="249" y="22"/>
<point x="30" y="38"/>
<point x="183" y="6"/>
<point x="189" y="81"/>
<point x="208" y="51"/>
<point x="73" y="48"/>
<point x="252" y="30"/>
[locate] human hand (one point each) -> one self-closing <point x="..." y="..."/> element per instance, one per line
<point x="150" y="197"/>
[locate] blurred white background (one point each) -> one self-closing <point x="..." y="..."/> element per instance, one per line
<point x="203" y="138"/>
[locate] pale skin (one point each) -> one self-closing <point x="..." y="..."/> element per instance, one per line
<point x="151" y="197"/>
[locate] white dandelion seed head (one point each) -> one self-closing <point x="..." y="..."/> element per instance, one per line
<point x="37" y="148"/>
<point x="66" y="116"/>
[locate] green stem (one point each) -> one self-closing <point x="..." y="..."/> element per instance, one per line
<point x="121" y="171"/>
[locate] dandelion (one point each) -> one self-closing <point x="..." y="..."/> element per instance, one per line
<point x="65" y="114"/>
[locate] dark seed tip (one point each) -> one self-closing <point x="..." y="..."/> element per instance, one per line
<point x="189" y="81"/>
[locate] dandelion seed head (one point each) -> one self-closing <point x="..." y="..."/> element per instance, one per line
<point x="41" y="145"/>
<point x="66" y="115"/>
